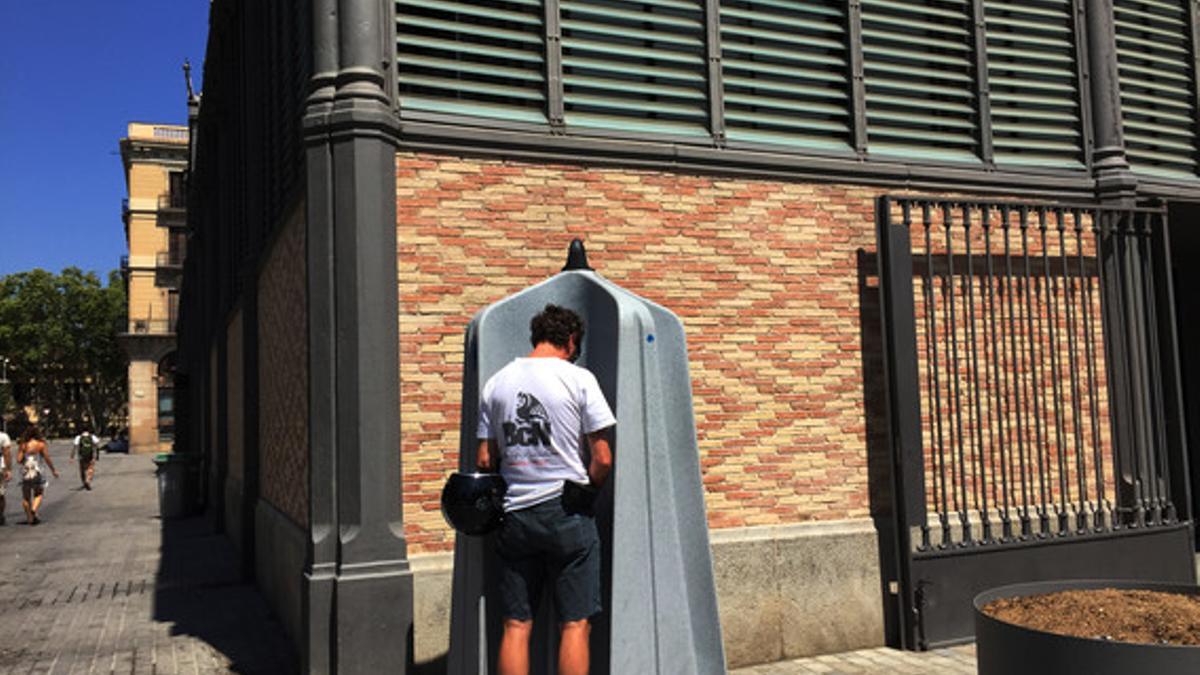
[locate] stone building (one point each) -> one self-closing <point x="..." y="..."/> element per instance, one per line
<point x="155" y="157"/>
<point x="830" y="195"/>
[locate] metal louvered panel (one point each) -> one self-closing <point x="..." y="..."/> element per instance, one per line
<point x="785" y="70"/>
<point x="472" y="57"/>
<point x="1158" y="85"/>
<point x="920" y="84"/>
<point x="635" y="66"/>
<point x="1034" y="80"/>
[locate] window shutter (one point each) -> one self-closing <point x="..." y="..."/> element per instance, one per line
<point x="919" y="72"/>
<point x="1158" y="86"/>
<point x="635" y="66"/>
<point x="785" y="68"/>
<point x="472" y="57"/>
<point x="1034" y="80"/>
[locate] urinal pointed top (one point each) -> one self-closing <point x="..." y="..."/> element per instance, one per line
<point x="576" y="257"/>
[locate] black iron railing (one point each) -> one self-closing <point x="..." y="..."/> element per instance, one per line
<point x="150" y="327"/>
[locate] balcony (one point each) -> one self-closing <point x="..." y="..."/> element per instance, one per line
<point x="172" y="201"/>
<point x="150" y="327"/>
<point x="170" y="259"/>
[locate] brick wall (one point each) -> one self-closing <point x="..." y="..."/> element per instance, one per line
<point x="766" y="276"/>
<point x="283" y="375"/>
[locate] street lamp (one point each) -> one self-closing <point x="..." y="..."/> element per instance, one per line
<point x="3" y="383"/>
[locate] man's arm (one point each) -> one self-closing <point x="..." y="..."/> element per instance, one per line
<point x="6" y="450"/>
<point x="601" y="451"/>
<point x="487" y="458"/>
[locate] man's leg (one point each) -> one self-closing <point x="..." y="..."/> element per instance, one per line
<point x="573" y="648"/>
<point x="91" y="472"/>
<point x="2" y="505"/>
<point x="83" y="478"/>
<point x="514" y="647"/>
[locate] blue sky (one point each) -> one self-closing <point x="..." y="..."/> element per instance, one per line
<point x="73" y="74"/>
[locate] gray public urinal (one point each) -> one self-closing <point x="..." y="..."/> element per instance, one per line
<point x="660" y="603"/>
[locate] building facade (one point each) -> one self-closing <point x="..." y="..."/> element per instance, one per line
<point x="155" y="157"/>
<point x="369" y="174"/>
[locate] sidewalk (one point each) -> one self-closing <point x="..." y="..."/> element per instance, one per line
<point x="101" y="586"/>
<point x="881" y="661"/>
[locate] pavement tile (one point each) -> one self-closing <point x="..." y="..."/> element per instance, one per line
<point x="109" y="588"/>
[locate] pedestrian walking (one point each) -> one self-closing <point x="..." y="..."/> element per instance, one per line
<point x="86" y="448"/>
<point x="533" y="417"/>
<point x="5" y="471"/>
<point x="31" y="455"/>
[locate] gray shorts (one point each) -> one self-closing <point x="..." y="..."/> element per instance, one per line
<point x="546" y="544"/>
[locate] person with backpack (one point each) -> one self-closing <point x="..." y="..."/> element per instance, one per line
<point x="31" y="454"/>
<point x="87" y="448"/>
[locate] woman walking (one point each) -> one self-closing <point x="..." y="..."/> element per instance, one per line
<point x="30" y="457"/>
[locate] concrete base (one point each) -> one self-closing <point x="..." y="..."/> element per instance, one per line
<point x="784" y="593"/>
<point x="798" y="590"/>
<point x="280" y="565"/>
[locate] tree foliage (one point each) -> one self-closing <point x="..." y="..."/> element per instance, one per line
<point x="59" y="332"/>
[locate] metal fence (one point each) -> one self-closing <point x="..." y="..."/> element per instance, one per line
<point x="1033" y="379"/>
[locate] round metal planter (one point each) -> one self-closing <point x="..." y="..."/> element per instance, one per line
<point x="1007" y="649"/>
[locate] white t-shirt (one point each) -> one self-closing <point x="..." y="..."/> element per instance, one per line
<point x="537" y="410"/>
<point x="5" y="442"/>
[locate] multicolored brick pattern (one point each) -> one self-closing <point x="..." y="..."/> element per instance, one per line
<point x="283" y="375"/>
<point x="766" y="276"/>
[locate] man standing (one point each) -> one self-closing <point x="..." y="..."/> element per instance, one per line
<point x="87" y="448"/>
<point x="5" y="470"/>
<point x="533" y="417"/>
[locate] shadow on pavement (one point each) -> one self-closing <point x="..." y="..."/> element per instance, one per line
<point x="199" y="589"/>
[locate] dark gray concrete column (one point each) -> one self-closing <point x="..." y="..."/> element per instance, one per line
<point x="358" y="586"/>
<point x="316" y="651"/>
<point x="1114" y="179"/>
<point x="374" y="583"/>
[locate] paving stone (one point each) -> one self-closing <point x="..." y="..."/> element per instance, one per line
<point x="103" y="586"/>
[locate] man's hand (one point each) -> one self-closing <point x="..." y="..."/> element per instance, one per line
<point x="55" y="472"/>
<point x="487" y="458"/>
<point x="7" y="475"/>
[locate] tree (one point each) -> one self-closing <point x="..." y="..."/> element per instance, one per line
<point x="59" y="333"/>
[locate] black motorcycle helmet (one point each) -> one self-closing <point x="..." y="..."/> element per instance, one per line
<point x="473" y="503"/>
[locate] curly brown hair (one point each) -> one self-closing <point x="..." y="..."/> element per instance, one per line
<point x="555" y="325"/>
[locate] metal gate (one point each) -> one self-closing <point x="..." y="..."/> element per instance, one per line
<point x="1034" y="401"/>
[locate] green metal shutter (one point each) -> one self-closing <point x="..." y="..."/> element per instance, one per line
<point x="635" y="66"/>
<point x="919" y="68"/>
<point x="1034" y="80"/>
<point x="472" y="57"/>
<point x="785" y="70"/>
<point x="1158" y="85"/>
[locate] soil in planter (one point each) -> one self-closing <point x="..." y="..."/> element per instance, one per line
<point x="1145" y="617"/>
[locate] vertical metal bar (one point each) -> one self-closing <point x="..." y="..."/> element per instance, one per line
<point x="903" y="394"/>
<point x="983" y="95"/>
<point x="927" y="296"/>
<point x="1089" y="348"/>
<point x="552" y="22"/>
<point x="858" y="85"/>
<point x="1056" y="388"/>
<point x="716" y="84"/>
<point x="996" y="406"/>
<point x="1118" y="357"/>
<point x="1157" y="450"/>
<point x="1033" y="320"/>
<point x="1136" y="364"/>
<point x="1018" y="375"/>
<point x="1070" y="297"/>
<point x="962" y="505"/>
<point x="975" y="415"/>
<point x="935" y="368"/>
<point x="1177" y="450"/>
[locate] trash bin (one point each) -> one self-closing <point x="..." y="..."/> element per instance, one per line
<point x="175" y="484"/>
